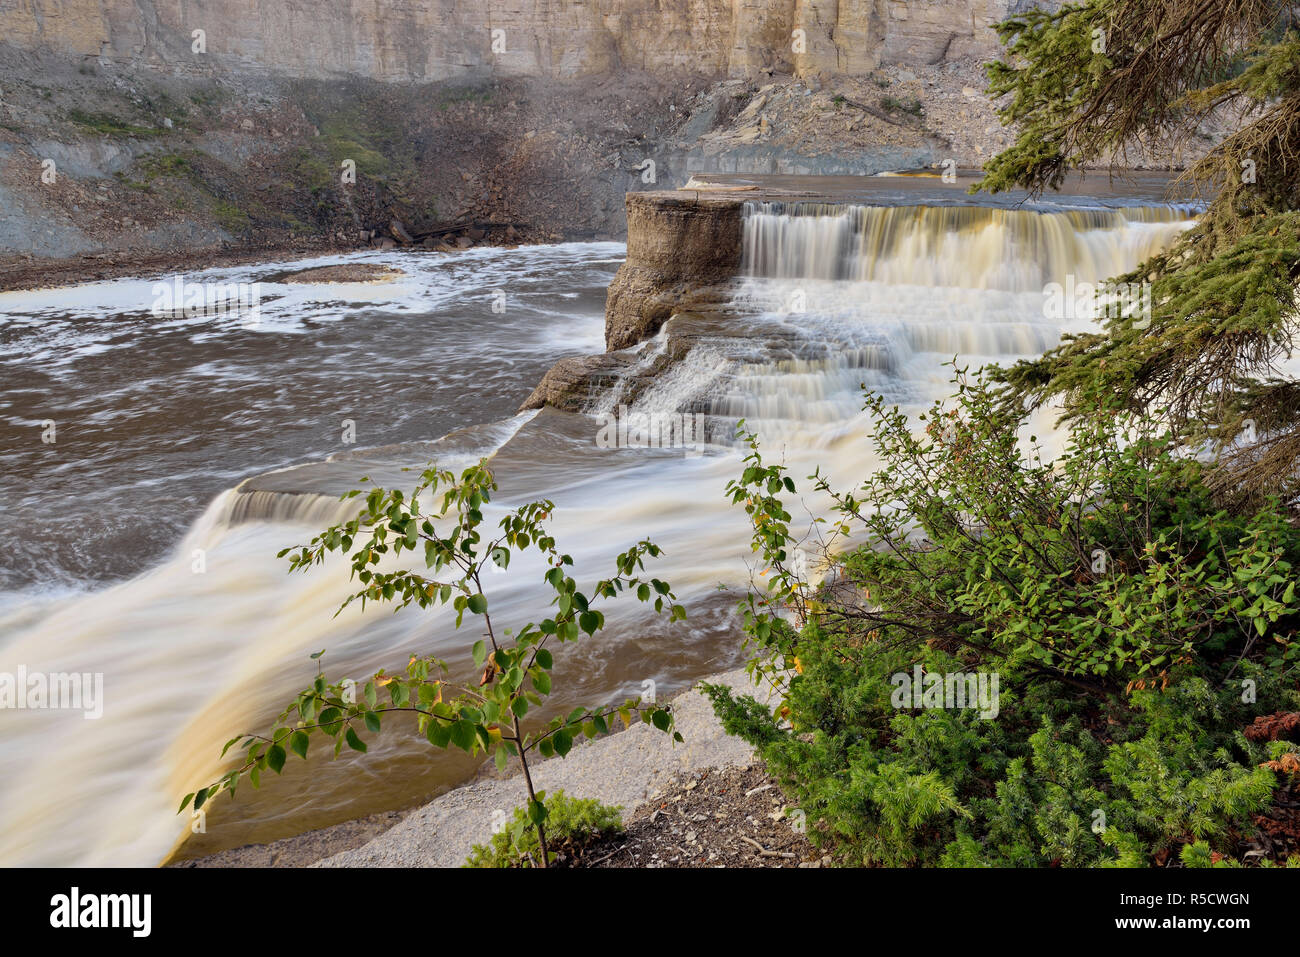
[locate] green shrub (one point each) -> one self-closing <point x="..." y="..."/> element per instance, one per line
<point x="1132" y="627"/>
<point x="571" y="825"/>
<point x="895" y="105"/>
<point x="230" y="217"/>
<point x="483" y="712"/>
<point x="109" y="125"/>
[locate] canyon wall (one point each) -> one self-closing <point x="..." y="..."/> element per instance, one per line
<point x="434" y="40"/>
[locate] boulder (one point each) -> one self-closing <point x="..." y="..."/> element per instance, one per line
<point x="571" y="383"/>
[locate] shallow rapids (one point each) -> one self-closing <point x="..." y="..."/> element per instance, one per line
<point x="832" y="297"/>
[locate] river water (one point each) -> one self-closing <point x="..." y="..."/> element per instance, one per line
<point x="141" y="543"/>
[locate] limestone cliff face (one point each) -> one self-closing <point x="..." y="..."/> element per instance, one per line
<point x="677" y="244"/>
<point x="431" y="40"/>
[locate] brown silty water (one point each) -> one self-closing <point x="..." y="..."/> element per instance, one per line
<point x="193" y="438"/>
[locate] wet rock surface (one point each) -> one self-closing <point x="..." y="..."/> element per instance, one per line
<point x="351" y="272"/>
<point x="572" y="383"/>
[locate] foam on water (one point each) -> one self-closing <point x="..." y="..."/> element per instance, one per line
<point x="832" y="298"/>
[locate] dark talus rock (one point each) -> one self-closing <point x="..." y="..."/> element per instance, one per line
<point x="400" y="232"/>
<point x="678" y="244"/>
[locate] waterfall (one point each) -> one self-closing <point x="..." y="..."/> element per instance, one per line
<point x="968" y="247"/>
<point x="832" y="298"/>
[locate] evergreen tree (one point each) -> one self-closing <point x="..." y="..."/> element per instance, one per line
<point x="1091" y="82"/>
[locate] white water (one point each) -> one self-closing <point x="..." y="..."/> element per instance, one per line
<point x="830" y="300"/>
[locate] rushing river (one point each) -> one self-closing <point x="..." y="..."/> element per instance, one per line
<point x="141" y="543"/>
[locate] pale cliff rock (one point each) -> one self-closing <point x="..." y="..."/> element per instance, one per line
<point x="677" y="244"/>
<point x="683" y="247"/>
<point x="429" y="40"/>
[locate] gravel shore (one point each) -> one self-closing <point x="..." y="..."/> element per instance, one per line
<point x="627" y="769"/>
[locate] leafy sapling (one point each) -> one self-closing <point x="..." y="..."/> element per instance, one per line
<point x="488" y="713"/>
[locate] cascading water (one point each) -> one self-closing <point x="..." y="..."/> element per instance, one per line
<point x="844" y="295"/>
<point x="968" y="247"/>
<point x="831" y="297"/>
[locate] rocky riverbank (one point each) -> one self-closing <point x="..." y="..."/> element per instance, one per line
<point x="630" y="768"/>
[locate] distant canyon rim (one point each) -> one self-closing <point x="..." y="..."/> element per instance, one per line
<point x="132" y="135"/>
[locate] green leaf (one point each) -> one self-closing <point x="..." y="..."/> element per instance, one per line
<point x="330" y="720"/>
<point x="354" y="742"/>
<point x="536" y="812"/>
<point x="372" y="722"/>
<point x="477" y="604"/>
<point x="438" y="733"/>
<point x="563" y="742"/>
<point x="275" y="757"/>
<point x="298" y="743"/>
<point x="462" y="735"/>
